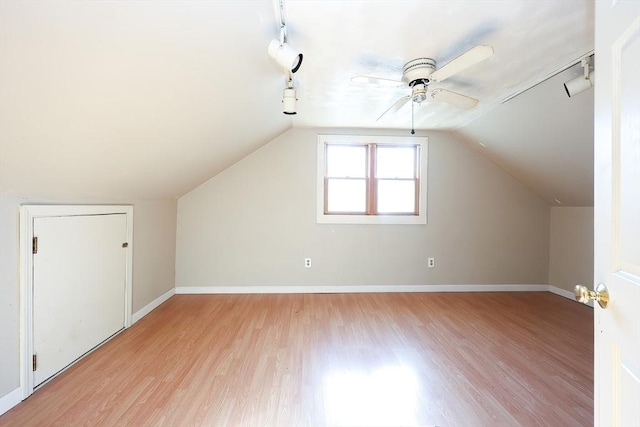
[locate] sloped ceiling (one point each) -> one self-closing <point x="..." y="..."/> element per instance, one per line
<point x="132" y="99"/>
<point x="544" y="139"/>
<point x="148" y="99"/>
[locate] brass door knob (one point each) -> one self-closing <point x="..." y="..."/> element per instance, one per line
<point x="584" y="295"/>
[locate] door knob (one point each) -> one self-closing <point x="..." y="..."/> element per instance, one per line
<point x="584" y="295"/>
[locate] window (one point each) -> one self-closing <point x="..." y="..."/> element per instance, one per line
<point x="371" y="179"/>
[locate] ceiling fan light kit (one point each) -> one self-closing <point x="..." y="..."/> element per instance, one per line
<point x="419" y="92"/>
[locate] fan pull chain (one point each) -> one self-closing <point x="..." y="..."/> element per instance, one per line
<point x="412" y="130"/>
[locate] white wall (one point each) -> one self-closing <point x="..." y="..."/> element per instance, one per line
<point x="571" y="247"/>
<point x="254" y="223"/>
<point x="153" y="271"/>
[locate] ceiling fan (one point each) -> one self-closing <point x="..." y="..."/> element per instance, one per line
<point x="419" y="73"/>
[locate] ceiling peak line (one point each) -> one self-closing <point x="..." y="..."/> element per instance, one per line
<point x="550" y="75"/>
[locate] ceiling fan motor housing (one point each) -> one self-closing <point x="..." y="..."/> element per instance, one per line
<point x="418" y="71"/>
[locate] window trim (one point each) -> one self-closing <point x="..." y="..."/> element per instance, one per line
<point x="323" y="218"/>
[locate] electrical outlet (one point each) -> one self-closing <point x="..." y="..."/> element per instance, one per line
<point x="431" y="262"/>
<point x="307" y="263"/>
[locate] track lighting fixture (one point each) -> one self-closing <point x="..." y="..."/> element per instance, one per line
<point x="569" y="89"/>
<point x="289" y="99"/>
<point x="289" y="59"/>
<point x="580" y="83"/>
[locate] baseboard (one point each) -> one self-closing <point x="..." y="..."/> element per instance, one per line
<point x="10" y="400"/>
<point x="152" y="305"/>
<point x="566" y="294"/>
<point x="355" y="289"/>
<point x="371" y="289"/>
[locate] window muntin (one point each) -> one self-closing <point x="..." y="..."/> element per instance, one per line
<point x="371" y="180"/>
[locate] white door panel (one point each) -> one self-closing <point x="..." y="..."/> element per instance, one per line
<point x="617" y="212"/>
<point x="78" y="287"/>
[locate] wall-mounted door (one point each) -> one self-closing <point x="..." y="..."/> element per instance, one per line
<point x="75" y="284"/>
<point x="78" y="287"/>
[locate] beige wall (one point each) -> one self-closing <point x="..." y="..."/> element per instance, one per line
<point x="571" y="247"/>
<point x="154" y="239"/>
<point x="153" y="271"/>
<point x="254" y="224"/>
<point x="9" y="296"/>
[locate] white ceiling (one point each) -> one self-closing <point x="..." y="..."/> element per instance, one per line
<point x="148" y="99"/>
<point x="348" y="38"/>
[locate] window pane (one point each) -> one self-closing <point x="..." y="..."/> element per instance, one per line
<point x="396" y="196"/>
<point x="395" y="162"/>
<point x="347" y="195"/>
<point x="346" y="161"/>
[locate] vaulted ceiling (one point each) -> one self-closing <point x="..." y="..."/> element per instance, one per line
<point x="148" y="99"/>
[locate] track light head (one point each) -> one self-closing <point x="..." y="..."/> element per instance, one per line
<point x="285" y="56"/>
<point x="579" y="84"/>
<point x="289" y="101"/>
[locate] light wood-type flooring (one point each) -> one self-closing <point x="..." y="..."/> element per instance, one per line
<point x="397" y="359"/>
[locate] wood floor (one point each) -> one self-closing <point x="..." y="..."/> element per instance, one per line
<point x="491" y="359"/>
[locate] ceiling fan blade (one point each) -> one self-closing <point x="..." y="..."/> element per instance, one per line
<point x="455" y="99"/>
<point x="378" y="81"/>
<point x="396" y="106"/>
<point x="462" y="62"/>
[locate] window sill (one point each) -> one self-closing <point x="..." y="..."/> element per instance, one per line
<point x="372" y="219"/>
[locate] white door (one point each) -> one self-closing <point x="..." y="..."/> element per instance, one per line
<point x="79" y="275"/>
<point x="617" y="212"/>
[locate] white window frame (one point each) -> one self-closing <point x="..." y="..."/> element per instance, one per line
<point x="323" y="218"/>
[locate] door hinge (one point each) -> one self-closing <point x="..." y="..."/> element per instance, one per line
<point x="35" y="245"/>
<point x="35" y="362"/>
